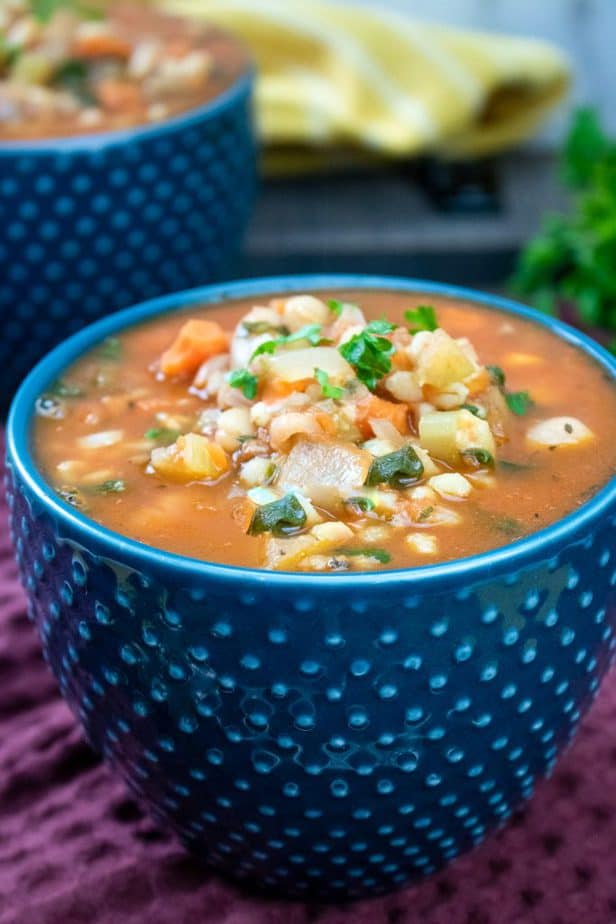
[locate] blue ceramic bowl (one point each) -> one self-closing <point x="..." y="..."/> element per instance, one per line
<point x="326" y="736"/>
<point x="95" y="223"/>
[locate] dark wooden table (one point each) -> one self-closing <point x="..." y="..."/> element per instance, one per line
<point x="418" y="220"/>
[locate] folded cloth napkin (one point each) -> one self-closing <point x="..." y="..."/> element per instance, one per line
<point x="374" y="79"/>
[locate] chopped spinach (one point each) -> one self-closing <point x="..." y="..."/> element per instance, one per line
<point x="518" y="402"/>
<point x="399" y="469"/>
<point x="497" y="375"/>
<point x="281" y="517"/>
<point x="111" y="349"/>
<point x="163" y="435"/>
<point x="64" y="389"/>
<point x="478" y="457"/>
<point x="363" y="504"/>
<point x="111" y="487"/>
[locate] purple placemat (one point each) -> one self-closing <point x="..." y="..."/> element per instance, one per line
<point x="75" y="848"/>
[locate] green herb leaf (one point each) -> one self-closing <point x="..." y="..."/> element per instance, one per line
<point x="111" y="349"/>
<point x="245" y="381"/>
<point x="509" y="466"/>
<point x="281" y="517"/>
<point x="478" y="457"/>
<point x="379" y="554"/>
<point x="328" y="390"/>
<point x="335" y="306"/>
<point x="111" y="487"/>
<point x="425" y="514"/>
<point x="518" y="402"/>
<point x="421" y="318"/>
<point x="363" y="504"/>
<point x="369" y="354"/>
<point x="310" y="332"/>
<point x="400" y="468"/>
<point x="475" y="410"/>
<point x="44" y="10"/>
<point x="64" y="389"/>
<point x="497" y="375"/>
<point x="163" y="435"/>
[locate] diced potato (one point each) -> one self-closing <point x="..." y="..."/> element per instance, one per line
<point x="447" y="434"/>
<point x="191" y="458"/>
<point x="299" y="365"/>
<point x="424" y="543"/>
<point x="256" y="471"/>
<point x="322" y="538"/>
<point x="439" y="360"/>
<point x="375" y="534"/>
<point x="559" y="431"/>
<point x="451" y="484"/>
<point x="326" y="471"/>
<point x="300" y="310"/>
<point x="450" y="398"/>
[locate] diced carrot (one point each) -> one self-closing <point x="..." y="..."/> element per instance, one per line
<point x="373" y="406"/>
<point x="401" y="361"/>
<point x="119" y="95"/>
<point x="197" y="341"/>
<point x="276" y="389"/>
<point x="478" y="383"/>
<point x="101" y="45"/>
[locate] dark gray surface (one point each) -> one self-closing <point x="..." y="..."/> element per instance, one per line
<point x="383" y="222"/>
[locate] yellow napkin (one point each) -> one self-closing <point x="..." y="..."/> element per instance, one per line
<point x="344" y="75"/>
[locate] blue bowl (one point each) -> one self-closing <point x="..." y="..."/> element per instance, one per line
<point x="323" y="736"/>
<point x="95" y="223"/>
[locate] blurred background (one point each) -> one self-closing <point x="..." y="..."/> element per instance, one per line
<point x="467" y="219"/>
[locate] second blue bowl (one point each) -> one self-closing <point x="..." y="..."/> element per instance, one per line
<point x="92" y="224"/>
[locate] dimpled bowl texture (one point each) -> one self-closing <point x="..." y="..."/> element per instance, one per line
<point x="321" y="736"/>
<point x="95" y="223"/>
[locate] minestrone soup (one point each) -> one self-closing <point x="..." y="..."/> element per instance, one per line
<point x="74" y="67"/>
<point x="349" y="431"/>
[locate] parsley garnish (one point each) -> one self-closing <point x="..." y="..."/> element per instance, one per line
<point x="44" y="10"/>
<point x="475" y="410"/>
<point x="280" y="518"/>
<point x="245" y="381"/>
<point x="400" y="468"/>
<point x="379" y="554"/>
<point x="478" y="457"/>
<point x="111" y="348"/>
<point x="422" y="318"/>
<point x="369" y="353"/>
<point x="111" y="487"/>
<point x="518" y="402"/>
<point x="497" y="375"/>
<point x="164" y="435"/>
<point x="65" y="390"/>
<point x="335" y="306"/>
<point x="310" y="332"/>
<point x="364" y="504"/>
<point x="328" y="390"/>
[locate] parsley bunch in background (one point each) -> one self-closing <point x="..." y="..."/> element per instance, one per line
<point x="571" y="264"/>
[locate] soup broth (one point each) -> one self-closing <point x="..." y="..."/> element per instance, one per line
<point x="350" y="430"/>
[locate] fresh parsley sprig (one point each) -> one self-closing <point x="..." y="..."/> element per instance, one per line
<point x="310" y="332"/>
<point x="245" y="381"/>
<point x="327" y="389"/>
<point x="421" y="318"/>
<point x="370" y="353"/>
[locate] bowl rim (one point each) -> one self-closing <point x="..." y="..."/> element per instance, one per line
<point x="94" y="142"/>
<point x="512" y="557"/>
